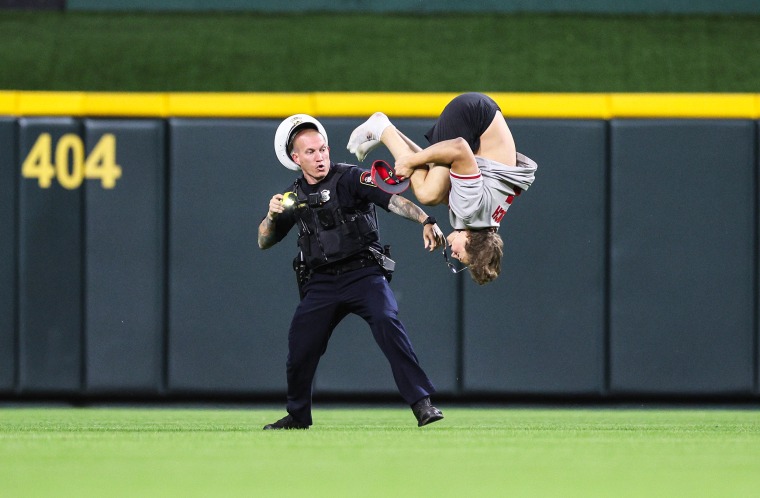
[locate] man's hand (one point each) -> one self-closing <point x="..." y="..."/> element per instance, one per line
<point x="275" y="206"/>
<point x="403" y="166"/>
<point x="433" y="237"/>
<point x="266" y="236"/>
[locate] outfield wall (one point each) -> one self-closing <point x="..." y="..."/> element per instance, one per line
<point x="631" y="266"/>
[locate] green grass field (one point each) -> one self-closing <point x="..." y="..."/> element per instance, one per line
<point x="371" y="52"/>
<point x="380" y="452"/>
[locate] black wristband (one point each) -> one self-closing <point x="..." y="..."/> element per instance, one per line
<point x="430" y="220"/>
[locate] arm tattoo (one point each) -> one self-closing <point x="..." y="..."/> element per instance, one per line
<point x="406" y="208"/>
<point x="266" y="233"/>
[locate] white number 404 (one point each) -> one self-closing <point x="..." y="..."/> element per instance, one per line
<point x="71" y="166"/>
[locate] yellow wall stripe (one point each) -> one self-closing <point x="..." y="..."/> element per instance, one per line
<point x="49" y="103"/>
<point x="685" y="105"/>
<point x="357" y="104"/>
<point x="125" y="104"/>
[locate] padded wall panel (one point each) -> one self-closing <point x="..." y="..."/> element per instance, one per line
<point x="50" y="266"/>
<point x="539" y="328"/>
<point x="425" y="291"/>
<point x="8" y="241"/>
<point x="229" y="302"/>
<point x="125" y="260"/>
<point x="683" y="256"/>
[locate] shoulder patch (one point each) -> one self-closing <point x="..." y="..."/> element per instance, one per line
<point x="366" y="179"/>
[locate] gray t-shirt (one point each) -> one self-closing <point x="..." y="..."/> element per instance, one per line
<point x="481" y="200"/>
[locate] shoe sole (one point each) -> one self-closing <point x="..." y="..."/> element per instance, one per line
<point x="430" y="420"/>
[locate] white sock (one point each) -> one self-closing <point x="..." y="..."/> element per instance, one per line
<point x="377" y="123"/>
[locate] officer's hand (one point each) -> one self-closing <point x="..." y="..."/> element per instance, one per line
<point x="433" y="237"/>
<point x="275" y="206"/>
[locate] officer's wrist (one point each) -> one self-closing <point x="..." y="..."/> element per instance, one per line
<point x="430" y="220"/>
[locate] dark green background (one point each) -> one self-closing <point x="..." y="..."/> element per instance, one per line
<point x="379" y="52"/>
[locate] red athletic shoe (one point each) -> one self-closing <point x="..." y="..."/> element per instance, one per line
<point x="386" y="179"/>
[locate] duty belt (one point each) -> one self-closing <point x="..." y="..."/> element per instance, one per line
<point x="362" y="261"/>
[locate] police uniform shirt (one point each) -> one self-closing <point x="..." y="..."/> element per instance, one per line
<point x="355" y="190"/>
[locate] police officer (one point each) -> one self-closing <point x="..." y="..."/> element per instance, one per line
<point x="343" y="268"/>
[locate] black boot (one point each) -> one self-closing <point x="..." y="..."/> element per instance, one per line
<point x="287" y="422"/>
<point x="425" y="412"/>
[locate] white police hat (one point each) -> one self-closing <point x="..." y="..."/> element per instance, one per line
<point x="285" y="133"/>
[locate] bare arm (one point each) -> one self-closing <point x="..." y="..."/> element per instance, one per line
<point x="266" y="237"/>
<point x="431" y="233"/>
<point x="406" y="209"/>
<point x="454" y="153"/>
<point x="266" y="233"/>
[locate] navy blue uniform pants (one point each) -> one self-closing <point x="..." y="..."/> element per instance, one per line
<point x="327" y="300"/>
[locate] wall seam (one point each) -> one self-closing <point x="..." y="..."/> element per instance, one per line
<point x="166" y="198"/>
<point x="607" y="284"/>
<point x="16" y="260"/>
<point x="756" y="263"/>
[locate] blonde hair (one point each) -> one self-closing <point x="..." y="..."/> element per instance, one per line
<point x="485" y="249"/>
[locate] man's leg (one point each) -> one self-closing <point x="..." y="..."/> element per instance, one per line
<point x="313" y="322"/>
<point x="372" y="299"/>
<point x="497" y="143"/>
<point x="430" y="183"/>
<point x="374" y="302"/>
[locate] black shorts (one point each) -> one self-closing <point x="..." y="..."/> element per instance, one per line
<point x="467" y="116"/>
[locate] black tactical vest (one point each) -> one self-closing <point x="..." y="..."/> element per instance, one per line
<point x="328" y="232"/>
